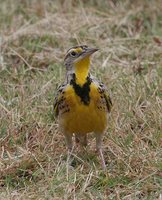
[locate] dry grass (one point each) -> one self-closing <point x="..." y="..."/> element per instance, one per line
<point x="34" y="37"/>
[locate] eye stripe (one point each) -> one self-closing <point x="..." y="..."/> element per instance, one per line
<point x="80" y="48"/>
<point x="77" y="49"/>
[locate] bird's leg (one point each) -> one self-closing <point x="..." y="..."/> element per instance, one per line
<point x="77" y="140"/>
<point x="69" y="143"/>
<point x="68" y="138"/>
<point x="99" y="148"/>
<point x="85" y="140"/>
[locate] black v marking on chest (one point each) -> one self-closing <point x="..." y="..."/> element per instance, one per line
<point x="82" y="91"/>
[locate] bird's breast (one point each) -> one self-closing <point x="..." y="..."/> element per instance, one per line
<point x="87" y="112"/>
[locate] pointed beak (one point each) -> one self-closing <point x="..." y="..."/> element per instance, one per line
<point x="89" y="51"/>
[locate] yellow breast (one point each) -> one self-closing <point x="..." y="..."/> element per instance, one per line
<point x="83" y="118"/>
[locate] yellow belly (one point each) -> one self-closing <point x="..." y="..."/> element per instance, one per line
<point x="83" y="118"/>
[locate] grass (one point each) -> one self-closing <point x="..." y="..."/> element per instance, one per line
<point x="34" y="38"/>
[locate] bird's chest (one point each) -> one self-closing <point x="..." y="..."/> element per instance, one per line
<point x="86" y="97"/>
<point x="84" y="114"/>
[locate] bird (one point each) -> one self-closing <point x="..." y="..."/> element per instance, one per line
<point x="82" y="103"/>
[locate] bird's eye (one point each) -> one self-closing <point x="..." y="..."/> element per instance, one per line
<point x="73" y="53"/>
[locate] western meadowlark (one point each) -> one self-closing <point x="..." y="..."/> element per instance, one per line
<point x="82" y="103"/>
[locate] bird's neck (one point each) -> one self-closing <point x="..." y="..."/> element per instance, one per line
<point x="82" y="70"/>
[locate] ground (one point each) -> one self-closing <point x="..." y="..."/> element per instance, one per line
<point x="34" y="36"/>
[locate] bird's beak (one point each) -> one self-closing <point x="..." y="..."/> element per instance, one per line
<point x="89" y="52"/>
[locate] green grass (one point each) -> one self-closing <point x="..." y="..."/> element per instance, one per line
<point x="34" y="38"/>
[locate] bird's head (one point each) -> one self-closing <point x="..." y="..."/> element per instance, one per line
<point x="78" y="57"/>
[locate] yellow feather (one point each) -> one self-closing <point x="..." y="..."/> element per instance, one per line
<point x="81" y="70"/>
<point x="83" y="118"/>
